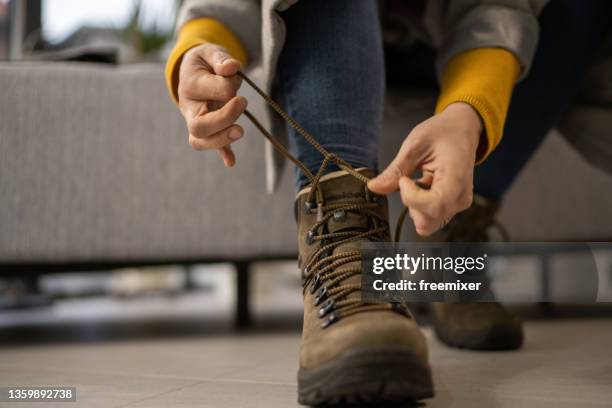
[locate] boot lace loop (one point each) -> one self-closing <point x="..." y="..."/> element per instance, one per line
<point x="323" y="273"/>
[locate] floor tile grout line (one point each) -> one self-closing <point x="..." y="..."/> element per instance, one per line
<point x="152" y="376"/>
<point x="150" y="397"/>
<point x="244" y="381"/>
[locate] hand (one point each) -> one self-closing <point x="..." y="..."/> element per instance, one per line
<point x="444" y="148"/>
<point x="207" y="99"/>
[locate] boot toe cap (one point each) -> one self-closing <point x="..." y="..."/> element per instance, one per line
<point x="375" y="330"/>
<point x="480" y="327"/>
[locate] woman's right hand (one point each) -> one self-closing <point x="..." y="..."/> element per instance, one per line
<point x="207" y="99"/>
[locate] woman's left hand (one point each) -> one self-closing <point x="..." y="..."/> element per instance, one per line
<point x="444" y="148"/>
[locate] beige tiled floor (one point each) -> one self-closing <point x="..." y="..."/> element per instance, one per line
<point x="566" y="363"/>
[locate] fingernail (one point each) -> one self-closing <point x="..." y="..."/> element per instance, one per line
<point x="243" y="102"/>
<point x="221" y="58"/>
<point x="235" y="134"/>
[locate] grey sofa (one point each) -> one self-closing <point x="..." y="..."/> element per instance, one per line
<point x="95" y="169"/>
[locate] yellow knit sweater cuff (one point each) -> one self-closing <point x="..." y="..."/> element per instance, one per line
<point x="196" y="32"/>
<point x="483" y="78"/>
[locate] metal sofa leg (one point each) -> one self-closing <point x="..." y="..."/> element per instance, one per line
<point x="243" y="313"/>
<point x="546" y="306"/>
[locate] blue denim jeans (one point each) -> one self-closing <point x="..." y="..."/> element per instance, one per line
<point x="571" y="31"/>
<point x="331" y="79"/>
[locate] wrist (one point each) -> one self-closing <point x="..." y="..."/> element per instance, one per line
<point x="468" y="119"/>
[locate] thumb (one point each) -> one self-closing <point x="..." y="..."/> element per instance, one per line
<point x="225" y="64"/>
<point x="387" y="181"/>
<point x="404" y="164"/>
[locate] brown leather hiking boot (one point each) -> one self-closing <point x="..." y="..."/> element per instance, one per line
<point x="476" y="326"/>
<point x="351" y="351"/>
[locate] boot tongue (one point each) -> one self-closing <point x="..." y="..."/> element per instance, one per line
<point x="346" y="189"/>
<point x="343" y="188"/>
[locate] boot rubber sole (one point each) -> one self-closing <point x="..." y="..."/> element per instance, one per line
<point x="371" y="376"/>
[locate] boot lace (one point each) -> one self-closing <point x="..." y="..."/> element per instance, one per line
<point x="323" y="273"/>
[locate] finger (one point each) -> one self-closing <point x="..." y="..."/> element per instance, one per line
<point x="218" y="140"/>
<point x="425" y="180"/>
<point x="213" y="122"/>
<point x="221" y="61"/>
<point x="404" y="164"/>
<point x="423" y="225"/>
<point x="227" y="155"/>
<point x="190" y="109"/>
<point x="435" y="206"/>
<point x="415" y="197"/>
<point x="427" y="210"/>
<point x="206" y="86"/>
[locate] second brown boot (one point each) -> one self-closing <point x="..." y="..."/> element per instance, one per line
<point x="476" y="326"/>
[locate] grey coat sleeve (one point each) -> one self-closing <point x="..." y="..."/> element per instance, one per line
<point x="242" y="17"/>
<point x="468" y="24"/>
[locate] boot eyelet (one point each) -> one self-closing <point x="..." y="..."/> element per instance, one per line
<point x="321" y="295"/>
<point x="339" y="215"/>
<point x="327" y="307"/>
<point x="315" y="283"/>
<point x="309" y="206"/>
<point x="304" y="276"/>
<point x="331" y="319"/>
<point x="310" y="237"/>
